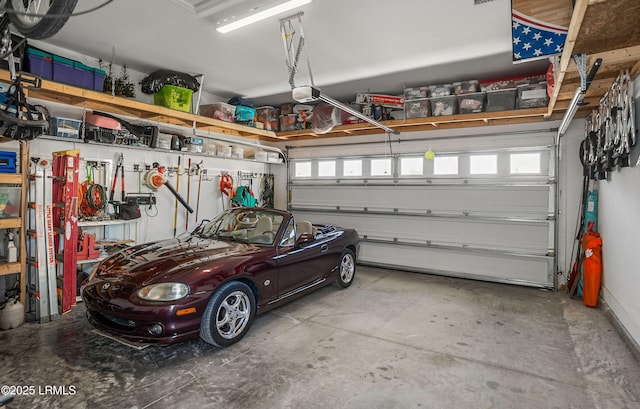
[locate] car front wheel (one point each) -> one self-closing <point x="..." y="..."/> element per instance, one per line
<point x="228" y="314"/>
<point x="346" y="269"/>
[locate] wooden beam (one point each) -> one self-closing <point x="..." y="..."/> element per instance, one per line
<point x="579" y="10"/>
<point x="620" y="56"/>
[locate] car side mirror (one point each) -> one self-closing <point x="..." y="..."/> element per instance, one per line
<point x="304" y="238"/>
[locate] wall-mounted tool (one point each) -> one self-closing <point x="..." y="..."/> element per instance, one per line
<point x="156" y="179"/>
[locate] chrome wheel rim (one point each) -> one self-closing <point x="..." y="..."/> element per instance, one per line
<point x="33" y="8"/>
<point x="347" y="268"/>
<point x="233" y="315"/>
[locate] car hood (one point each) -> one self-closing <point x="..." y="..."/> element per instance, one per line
<point x="173" y="259"/>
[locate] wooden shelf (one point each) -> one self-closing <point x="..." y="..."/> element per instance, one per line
<point x="11" y="223"/>
<point x="10" y="268"/>
<point x="84" y="98"/>
<point x="11" y="178"/>
<point x="69" y="95"/>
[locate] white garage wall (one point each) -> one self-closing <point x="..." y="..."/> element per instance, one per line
<point x="154" y="226"/>
<point x="619" y="224"/>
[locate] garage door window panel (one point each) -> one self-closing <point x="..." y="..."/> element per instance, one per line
<point x="381" y="167"/>
<point x="483" y="164"/>
<point x="412" y="166"/>
<point x="302" y="169"/>
<point x="326" y="168"/>
<point x="445" y="165"/>
<point x="525" y="163"/>
<point x="352" y="168"/>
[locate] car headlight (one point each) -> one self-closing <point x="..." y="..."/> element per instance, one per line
<point x="163" y="292"/>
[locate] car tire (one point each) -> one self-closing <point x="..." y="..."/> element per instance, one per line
<point x="228" y="315"/>
<point x="346" y="269"/>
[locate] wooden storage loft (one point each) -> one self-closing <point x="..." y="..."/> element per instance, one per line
<point x="606" y="29"/>
<point x="600" y="28"/>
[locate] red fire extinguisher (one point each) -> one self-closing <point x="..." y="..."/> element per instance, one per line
<point x="591" y="265"/>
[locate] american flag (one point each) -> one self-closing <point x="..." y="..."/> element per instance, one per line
<point x="533" y="39"/>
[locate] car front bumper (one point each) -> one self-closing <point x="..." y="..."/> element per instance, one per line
<point x="151" y="322"/>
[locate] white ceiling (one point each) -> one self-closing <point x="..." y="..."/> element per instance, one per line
<point x="353" y="45"/>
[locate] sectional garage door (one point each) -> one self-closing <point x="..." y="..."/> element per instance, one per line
<point x="483" y="208"/>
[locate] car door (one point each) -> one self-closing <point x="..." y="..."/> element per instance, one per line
<point x="300" y="265"/>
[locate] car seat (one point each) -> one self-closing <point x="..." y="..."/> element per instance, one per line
<point x="303" y="227"/>
<point x="263" y="226"/>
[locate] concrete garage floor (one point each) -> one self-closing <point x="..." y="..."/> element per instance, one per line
<point x="392" y="340"/>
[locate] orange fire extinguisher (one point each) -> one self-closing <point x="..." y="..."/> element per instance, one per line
<point x="591" y="265"/>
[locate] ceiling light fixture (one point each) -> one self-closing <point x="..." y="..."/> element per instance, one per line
<point x="272" y="11"/>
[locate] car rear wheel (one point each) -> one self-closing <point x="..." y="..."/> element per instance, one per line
<point x="228" y="314"/>
<point x="346" y="269"/>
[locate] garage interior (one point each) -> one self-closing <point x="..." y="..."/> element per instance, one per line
<point x="465" y="293"/>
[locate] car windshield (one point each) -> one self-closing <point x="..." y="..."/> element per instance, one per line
<point x="248" y="225"/>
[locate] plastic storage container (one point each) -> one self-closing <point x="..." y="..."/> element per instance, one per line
<point x="288" y="122"/>
<point x="245" y="115"/>
<point x="533" y="95"/>
<point x="9" y="201"/>
<point x="194" y="144"/>
<point x="12" y="315"/>
<point x="274" y="157"/>
<point x="268" y="116"/>
<point x="446" y="105"/>
<point x="501" y="100"/>
<point x="466" y="87"/>
<point x="98" y="79"/>
<point x="417" y="108"/>
<point x="415" y="93"/>
<point x="224" y="151"/>
<point x="219" y="110"/>
<point x="237" y="152"/>
<point x="39" y="62"/>
<point x="260" y="156"/>
<point x="65" y="127"/>
<point x="173" y="97"/>
<point x="440" y="90"/>
<point x="471" y="103"/>
<point x="8" y="162"/>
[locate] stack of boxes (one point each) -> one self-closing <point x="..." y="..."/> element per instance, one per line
<point x="416" y="103"/>
<point x="442" y="100"/>
<point x="470" y="99"/>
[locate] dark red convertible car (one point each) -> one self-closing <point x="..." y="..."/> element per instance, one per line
<point x="212" y="282"/>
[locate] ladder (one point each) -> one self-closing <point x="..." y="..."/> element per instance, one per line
<point x="65" y="221"/>
<point x="42" y="279"/>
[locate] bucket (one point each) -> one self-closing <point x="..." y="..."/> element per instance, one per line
<point x="12" y="315"/>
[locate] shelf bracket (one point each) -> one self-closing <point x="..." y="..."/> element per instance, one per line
<point x="581" y="64"/>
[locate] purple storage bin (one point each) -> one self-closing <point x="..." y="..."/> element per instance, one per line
<point x="83" y="75"/>
<point x="39" y="63"/>
<point x="63" y="70"/>
<point x="98" y="79"/>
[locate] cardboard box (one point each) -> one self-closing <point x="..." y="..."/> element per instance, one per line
<point x="379" y="99"/>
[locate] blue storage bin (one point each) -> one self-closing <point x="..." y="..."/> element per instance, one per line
<point x="39" y="62"/>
